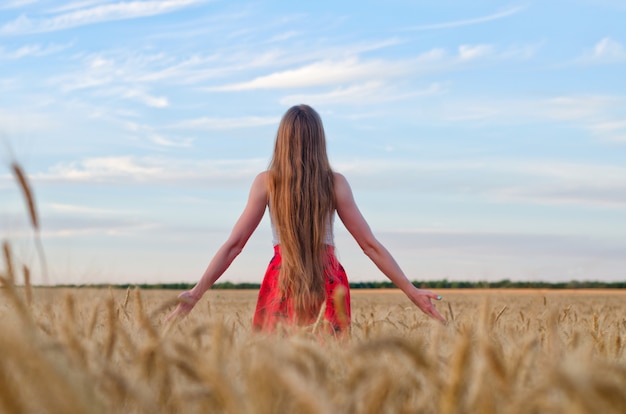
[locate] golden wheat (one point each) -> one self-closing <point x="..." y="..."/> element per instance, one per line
<point x="109" y="351"/>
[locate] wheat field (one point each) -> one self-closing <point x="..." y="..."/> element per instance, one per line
<point x="110" y="351"/>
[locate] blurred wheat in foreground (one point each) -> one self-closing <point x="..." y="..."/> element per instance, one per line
<point x="109" y="351"/>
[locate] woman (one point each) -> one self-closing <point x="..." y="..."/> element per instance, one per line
<point x="304" y="276"/>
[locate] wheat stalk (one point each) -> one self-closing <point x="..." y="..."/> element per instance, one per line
<point x="27" y="287"/>
<point x="6" y="249"/>
<point x="29" y="197"/>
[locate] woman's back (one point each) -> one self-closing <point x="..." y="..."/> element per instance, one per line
<point x="301" y="202"/>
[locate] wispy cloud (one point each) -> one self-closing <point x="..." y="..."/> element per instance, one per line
<point x="224" y="64"/>
<point x="81" y="209"/>
<point x="206" y="123"/>
<point x="89" y="227"/>
<point x="8" y="84"/>
<point x="490" y="244"/>
<point x="354" y="70"/>
<point x="132" y="170"/>
<point x="167" y="142"/>
<point x="576" y="107"/>
<point x="98" y="169"/>
<point x="100" y="13"/>
<point x="16" y="4"/>
<point x="99" y="69"/>
<point x="467" y="22"/>
<point x="471" y="52"/>
<point x="603" y="116"/>
<point x="614" y="130"/>
<point x="321" y="73"/>
<point x="32" y="50"/>
<point x="546" y="182"/>
<point x="468" y="52"/>
<point x="27" y="121"/>
<point x="281" y="37"/>
<point x="155" y="136"/>
<point x="146" y="98"/>
<point x="81" y="4"/>
<point x="607" y="50"/>
<point x="369" y="93"/>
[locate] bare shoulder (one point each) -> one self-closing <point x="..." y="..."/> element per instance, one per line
<point x="341" y="184"/>
<point x="260" y="184"/>
<point x="343" y="192"/>
<point x="348" y="211"/>
<point x="262" y="177"/>
<point x="340" y="180"/>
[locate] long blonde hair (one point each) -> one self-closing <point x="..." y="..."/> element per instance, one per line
<point x="301" y="189"/>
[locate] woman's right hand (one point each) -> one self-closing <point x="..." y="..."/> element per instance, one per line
<point x="186" y="302"/>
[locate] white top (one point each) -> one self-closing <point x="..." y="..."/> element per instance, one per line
<point x="329" y="238"/>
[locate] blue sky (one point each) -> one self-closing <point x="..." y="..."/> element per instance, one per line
<point x="483" y="140"/>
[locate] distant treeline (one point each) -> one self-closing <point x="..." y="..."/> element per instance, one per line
<point x="436" y="284"/>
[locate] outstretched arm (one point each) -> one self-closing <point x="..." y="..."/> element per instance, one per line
<point x="359" y="229"/>
<point x="241" y="232"/>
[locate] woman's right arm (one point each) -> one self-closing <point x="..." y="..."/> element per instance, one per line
<point x="241" y="232"/>
<point x="355" y="223"/>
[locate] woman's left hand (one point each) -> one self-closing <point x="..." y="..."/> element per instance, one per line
<point x="422" y="299"/>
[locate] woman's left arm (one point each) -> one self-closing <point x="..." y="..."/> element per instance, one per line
<point x="357" y="226"/>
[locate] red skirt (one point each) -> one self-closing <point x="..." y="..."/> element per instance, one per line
<point x="271" y="311"/>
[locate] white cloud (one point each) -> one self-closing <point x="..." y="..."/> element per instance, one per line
<point x="33" y="50"/>
<point x="151" y="134"/>
<point x="189" y="70"/>
<point x="86" y="210"/>
<point x="100" y="71"/>
<point x="206" y="123"/>
<point x="575" y="107"/>
<point x="473" y="52"/>
<point x="610" y="126"/>
<point x="606" y="51"/>
<point x="79" y="5"/>
<point x="353" y="70"/>
<point x="131" y="170"/>
<point x="523" y="51"/>
<point x="166" y="142"/>
<point x="322" y="73"/>
<point x="547" y="182"/>
<point x="281" y="37"/>
<point x="28" y="121"/>
<point x="469" y="52"/>
<point x="147" y="99"/>
<point x="97" y="14"/>
<point x="477" y="111"/>
<point x="75" y="82"/>
<point x="614" y="130"/>
<point x="603" y="116"/>
<point x="233" y="58"/>
<point x="16" y="4"/>
<point x="8" y="84"/>
<point x="109" y="68"/>
<point x="498" y="244"/>
<point x="369" y="93"/>
<point x="104" y="168"/>
<point x="609" y="49"/>
<point x="491" y="17"/>
<point x="106" y="228"/>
